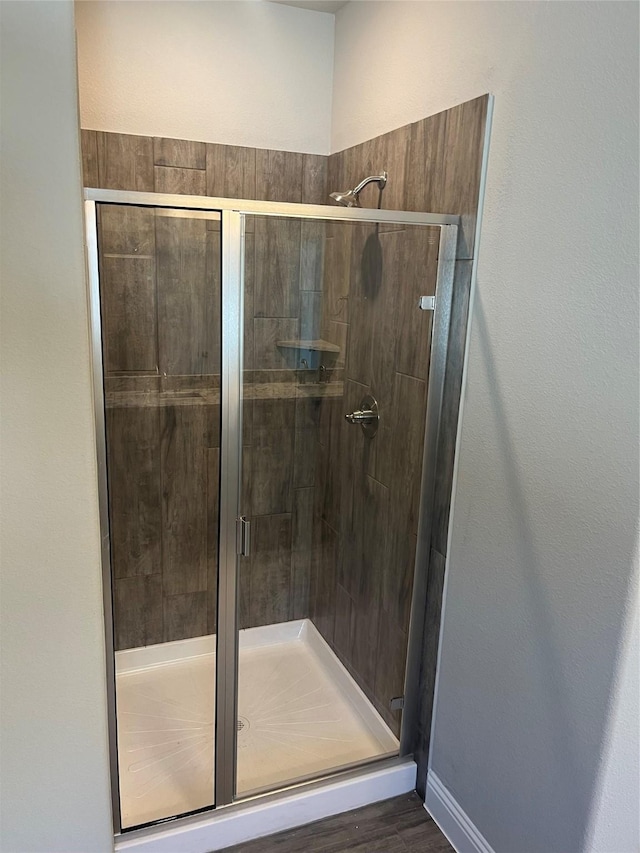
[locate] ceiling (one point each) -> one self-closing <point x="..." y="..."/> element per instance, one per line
<point x="316" y="5"/>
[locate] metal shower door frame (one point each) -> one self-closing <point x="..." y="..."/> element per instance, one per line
<point x="233" y="213"/>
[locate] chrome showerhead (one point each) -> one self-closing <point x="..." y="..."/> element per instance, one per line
<point x="350" y="198"/>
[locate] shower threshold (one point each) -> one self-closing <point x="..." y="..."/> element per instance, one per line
<point x="300" y="714"/>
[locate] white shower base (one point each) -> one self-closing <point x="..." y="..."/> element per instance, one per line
<point x="300" y="714"/>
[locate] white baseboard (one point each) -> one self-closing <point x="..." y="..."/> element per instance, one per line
<point x="243" y="822"/>
<point x="463" y="835"/>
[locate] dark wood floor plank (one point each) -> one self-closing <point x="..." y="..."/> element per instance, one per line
<point x="398" y="825"/>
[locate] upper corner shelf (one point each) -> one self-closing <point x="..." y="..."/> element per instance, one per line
<point x="315" y="346"/>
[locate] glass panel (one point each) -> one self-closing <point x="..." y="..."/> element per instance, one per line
<point x="332" y="327"/>
<point x="161" y="324"/>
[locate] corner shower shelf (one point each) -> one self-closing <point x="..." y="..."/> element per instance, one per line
<point x="314" y="346"/>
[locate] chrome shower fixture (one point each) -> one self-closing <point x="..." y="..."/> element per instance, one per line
<point x="350" y="197"/>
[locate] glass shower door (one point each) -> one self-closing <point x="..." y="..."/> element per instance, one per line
<point x="160" y="311"/>
<point x="331" y="329"/>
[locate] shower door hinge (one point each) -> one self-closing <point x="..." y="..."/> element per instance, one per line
<point x="243" y="536"/>
<point x="427" y="303"/>
<point x="396" y="704"/>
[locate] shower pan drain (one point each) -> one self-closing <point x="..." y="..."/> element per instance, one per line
<point x="242" y="724"/>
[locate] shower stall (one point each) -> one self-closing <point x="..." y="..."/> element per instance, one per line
<point x="268" y="380"/>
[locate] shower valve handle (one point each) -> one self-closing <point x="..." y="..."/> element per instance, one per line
<point x="361" y="417"/>
<point x="367" y="416"/>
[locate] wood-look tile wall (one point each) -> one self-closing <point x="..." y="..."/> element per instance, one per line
<point x="160" y="278"/>
<point x="368" y="489"/>
<point x="434" y="165"/>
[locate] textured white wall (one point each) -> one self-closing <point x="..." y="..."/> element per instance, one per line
<point x="53" y="763"/>
<point x="543" y="533"/>
<point x="240" y="73"/>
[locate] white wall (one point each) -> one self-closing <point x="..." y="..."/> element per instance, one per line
<point x="543" y="533"/>
<point x="615" y="819"/>
<point x="53" y="763"/>
<point x="241" y="73"/>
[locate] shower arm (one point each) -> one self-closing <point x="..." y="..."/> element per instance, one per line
<point x="381" y="180"/>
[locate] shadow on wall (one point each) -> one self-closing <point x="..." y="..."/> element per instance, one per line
<point x="573" y="702"/>
<point x="371" y="265"/>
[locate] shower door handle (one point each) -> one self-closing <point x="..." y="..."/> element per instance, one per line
<point x="243" y="536"/>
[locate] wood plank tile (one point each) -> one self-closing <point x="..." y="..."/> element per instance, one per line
<point x="312" y="243"/>
<point x="126" y="230"/>
<point x="371" y="514"/>
<point x="338" y="334"/>
<point x="418" y="260"/>
<point x="179" y="152"/>
<point x="137" y="611"/>
<point x="349" y="465"/>
<point x="404" y="488"/>
<point x="311" y="318"/>
<point x="337" y="275"/>
<point x="365" y="283"/>
<point x="300" y="584"/>
<point x="308" y="412"/>
<point x="304" y="457"/>
<point x="278" y="175"/>
<point x="128" y="304"/>
<point x="277" y="267"/>
<point x="465" y="132"/>
<point x="170" y="179"/>
<point x="231" y="171"/>
<point x="212" y="335"/>
<point x="314" y="179"/>
<point x="133" y="457"/>
<point x="184" y="489"/>
<point x="125" y="162"/>
<point x="271" y="569"/>
<point x="266" y="332"/>
<point x="188" y="308"/>
<point x="451" y="405"/>
<point x="446" y="159"/>
<point x="89" y="145"/>
<point x="249" y="288"/>
<point x="344" y="624"/>
<point x="383" y="249"/>
<point x="272" y="465"/>
<point x="185" y="616"/>
<point x="427" y="153"/>
<point x="302" y="519"/>
<point x="388" y="152"/>
<point x="323" y="578"/>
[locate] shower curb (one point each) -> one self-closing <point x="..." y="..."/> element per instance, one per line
<point x="265" y="816"/>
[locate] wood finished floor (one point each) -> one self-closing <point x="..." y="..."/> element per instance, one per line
<point x="400" y="825"/>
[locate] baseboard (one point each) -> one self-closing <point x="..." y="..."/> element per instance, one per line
<point x="265" y="816"/>
<point x="463" y="835"/>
